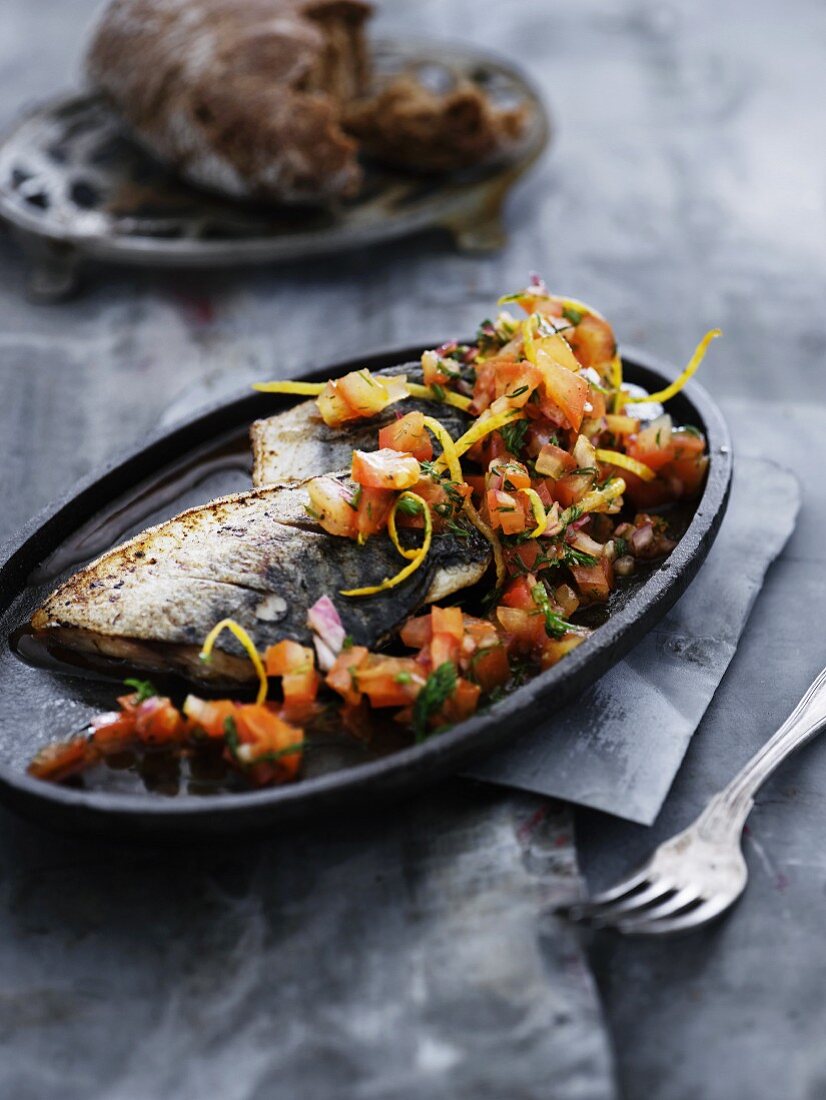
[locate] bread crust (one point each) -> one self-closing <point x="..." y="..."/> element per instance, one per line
<point x="241" y="98"/>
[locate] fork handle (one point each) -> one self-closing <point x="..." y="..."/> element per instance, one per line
<point x="733" y="804"/>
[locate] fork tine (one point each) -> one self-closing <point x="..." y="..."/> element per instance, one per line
<point x="578" y="910"/>
<point x="602" y="915"/>
<point x="638" y="921"/>
<point x="709" y="909"/>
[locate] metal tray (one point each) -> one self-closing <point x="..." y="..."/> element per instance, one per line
<point x="73" y="186"/>
<point x="171" y="472"/>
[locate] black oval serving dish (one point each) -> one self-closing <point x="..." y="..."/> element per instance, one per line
<point x="203" y="458"/>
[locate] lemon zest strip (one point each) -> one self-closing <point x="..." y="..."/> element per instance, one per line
<point x="538" y="509"/>
<point x="421" y="553"/>
<point x="308" y="389"/>
<point x="617" y="458"/>
<point x="246" y="641"/>
<point x="595" y="501"/>
<point x="415" y="389"/>
<point x="670" y="391"/>
<point x="480" y="429"/>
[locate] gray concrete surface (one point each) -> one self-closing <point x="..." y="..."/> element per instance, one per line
<point x="685" y="189"/>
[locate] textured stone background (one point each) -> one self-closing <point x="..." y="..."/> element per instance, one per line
<point x="686" y="188"/>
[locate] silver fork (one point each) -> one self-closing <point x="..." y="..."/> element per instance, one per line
<point x="697" y="874"/>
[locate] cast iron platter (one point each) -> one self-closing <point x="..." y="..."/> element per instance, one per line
<point x="204" y="458"/>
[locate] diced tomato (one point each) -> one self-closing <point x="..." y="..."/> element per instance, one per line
<point x="433" y="492"/>
<point x="506" y="512"/>
<point x="390" y="681"/>
<point x="687" y="444"/>
<point x="690" y="472"/>
<point x="593" y="342"/>
<point x="333" y="407"/>
<point x="515" y="382"/>
<point x="408" y="434"/>
<point x="209" y="715"/>
<point x="416" y="633"/>
<point x="567" y="599"/>
<point x="269" y="749"/>
<point x="434" y="370"/>
<point x="563" y="389"/>
<point x="644" y="494"/>
<point x="332" y="505"/>
<point x="653" y="444"/>
<point x="480" y="633"/>
<point x="525" y="630"/>
<point x="508" y="475"/>
<point x="524" y="556"/>
<point x="572" y="488"/>
<point x="484" y="389"/>
<point x="594" y="581"/>
<point x="448" y="620"/>
<point x="373" y="509"/>
<point x="489" y="667"/>
<point x="158" y="722"/>
<point x="113" y="731"/>
<point x="556" y="347"/>
<point x="552" y="461"/>
<point x="63" y="759"/>
<point x="367" y="394"/>
<point x="462" y="703"/>
<point x="556" y="648"/>
<point x="385" y="469"/>
<point x="296" y="665"/>
<point x="444" y="648"/>
<point x="518" y="593"/>
<point x="343" y="678"/>
<point x="596" y="400"/>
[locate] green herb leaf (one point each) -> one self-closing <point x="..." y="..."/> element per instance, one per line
<point x="555" y="625"/>
<point x="517" y="392"/>
<point x="440" y="685"/>
<point x="408" y="507"/>
<point x="513" y="435"/>
<point x="348" y="642"/>
<point x="403" y="678"/>
<point x="144" y="689"/>
<point x="572" y="315"/>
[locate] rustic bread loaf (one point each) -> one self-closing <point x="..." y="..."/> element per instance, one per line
<point x="411" y="126"/>
<point x="245" y="97"/>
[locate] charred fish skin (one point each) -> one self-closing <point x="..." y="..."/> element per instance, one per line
<point x="255" y="557"/>
<point x="297" y="444"/>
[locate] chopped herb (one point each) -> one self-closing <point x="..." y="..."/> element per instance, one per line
<point x="457" y="529"/>
<point x="439" y="686"/>
<point x="591" y="471"/>
<point x="622" y="546"/>
<point x="408" y="507"/>
<point x="517" y="392"/>
<point x="572" y="315"/>
<point x="367" y="377"/>
<point x="571" y="556"/>
<point x="144" y="689"/>
<point x="403" y="678"/>
<point x="348" y="642"/>
<point x="555" y="625"/>
<point x="438" y="391"/>
<point x="353" y="502"/>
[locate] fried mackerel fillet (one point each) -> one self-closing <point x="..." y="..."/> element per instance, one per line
<point x="297" y="444"/>
<point x="256" y="557"/>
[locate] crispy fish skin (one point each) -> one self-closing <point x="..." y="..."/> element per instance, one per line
<point x="255" y="557"/>
<point x="297" y="444"/>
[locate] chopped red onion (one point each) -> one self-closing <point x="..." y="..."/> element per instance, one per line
<point x="642" y="538"/>
<point x="328" y="631"/>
